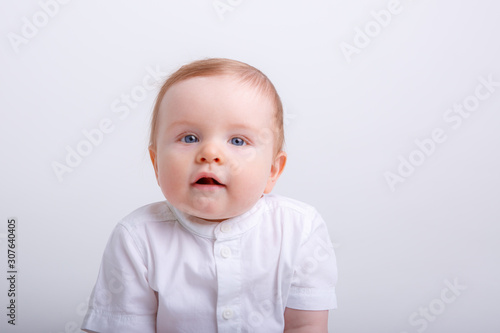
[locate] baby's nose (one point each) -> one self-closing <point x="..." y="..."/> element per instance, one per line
<point x="210" y="153"/>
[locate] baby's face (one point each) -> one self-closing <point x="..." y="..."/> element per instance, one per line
<point x="214" y="153"/>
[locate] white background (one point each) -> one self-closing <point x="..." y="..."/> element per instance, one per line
<point x="347" y="123"/>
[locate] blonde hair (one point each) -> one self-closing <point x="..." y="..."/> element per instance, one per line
<point x="222" y="66"/>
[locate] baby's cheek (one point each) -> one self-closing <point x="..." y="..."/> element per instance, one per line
<point x="252" y="178"/>
<point x="241" y="161"/>
<point x="172" y="189"/>
<point x="173" y="170"/>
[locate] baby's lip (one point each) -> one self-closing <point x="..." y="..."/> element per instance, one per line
<point x="207" y="178"/>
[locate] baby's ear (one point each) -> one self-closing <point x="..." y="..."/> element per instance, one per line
<point x="152" y="154"/>
<point x="276" y="170"/>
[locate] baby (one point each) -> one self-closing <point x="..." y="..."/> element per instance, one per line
<point x="221" y="254"/>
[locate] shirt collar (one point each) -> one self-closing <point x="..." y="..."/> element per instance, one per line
<point x="229" y="228"/>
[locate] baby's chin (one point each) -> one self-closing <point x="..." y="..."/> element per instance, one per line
<point x="211" y="215"/>
<point x="212" y="209"/>
<point x="212" y="220"/>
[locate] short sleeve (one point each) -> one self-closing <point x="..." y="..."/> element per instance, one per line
<point x="122" y="300"/>
<point x="315" y="269"/>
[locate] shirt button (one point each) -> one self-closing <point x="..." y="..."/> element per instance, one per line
<point x="225" y="252"/>
<point x="227" y="314"/>
<point x="225" y="228"/>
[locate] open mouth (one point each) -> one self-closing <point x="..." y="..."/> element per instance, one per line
<point x="208" y="181"/>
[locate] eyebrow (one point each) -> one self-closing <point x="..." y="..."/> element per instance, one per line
<point x="237" y="126"/>
<point x="181" y="122"/>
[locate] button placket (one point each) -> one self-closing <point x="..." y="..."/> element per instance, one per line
<point x="228" y="266"/>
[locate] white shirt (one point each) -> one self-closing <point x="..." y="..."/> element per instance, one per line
<point x="164" y="272"/>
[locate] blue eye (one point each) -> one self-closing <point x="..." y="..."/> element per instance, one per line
<point x="238" y="141"/>
<point x="189" y="139"/>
